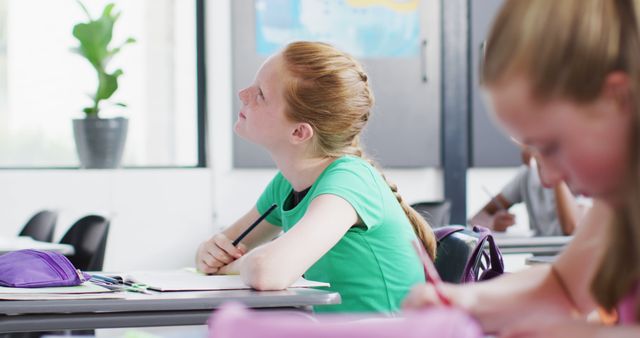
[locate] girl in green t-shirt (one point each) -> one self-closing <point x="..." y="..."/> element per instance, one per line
<point x="342" y="222"/>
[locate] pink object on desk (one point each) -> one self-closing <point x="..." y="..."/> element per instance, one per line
<point x="234" y="320"/>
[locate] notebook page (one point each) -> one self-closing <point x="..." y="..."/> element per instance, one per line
<point x="184" y="280"/>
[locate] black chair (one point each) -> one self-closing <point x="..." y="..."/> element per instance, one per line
<point x="437" y="213"/>
<point x="41" y="226"/>
<point x="88" y="236"/>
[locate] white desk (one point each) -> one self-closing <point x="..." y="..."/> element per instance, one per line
<point x="141" y="310"/>
<point x="8" y="244"/>
<point x="541" y="260"/>
<point x="536" y="245"/>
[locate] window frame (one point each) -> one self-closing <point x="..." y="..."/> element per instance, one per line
<point x="201" y="105"/>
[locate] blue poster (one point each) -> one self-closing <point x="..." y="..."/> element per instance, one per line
<point x="363" y="28"/>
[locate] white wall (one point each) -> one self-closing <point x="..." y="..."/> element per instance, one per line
<point x="158" y="216"/>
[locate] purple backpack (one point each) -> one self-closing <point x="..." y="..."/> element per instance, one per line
<point x="462" y="256"/>
<point x="38" y="269"/>
<point x="234" y="320"/>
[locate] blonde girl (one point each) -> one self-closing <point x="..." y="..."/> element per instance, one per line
<point x="342" y="222"/>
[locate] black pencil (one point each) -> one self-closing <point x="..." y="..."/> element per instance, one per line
<point x="246" y="232"/>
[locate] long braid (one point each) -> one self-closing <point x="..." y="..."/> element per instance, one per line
<point x="330" y="90"/>
<point x="420" y="226"/>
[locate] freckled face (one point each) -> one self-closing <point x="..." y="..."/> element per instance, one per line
<point x="262" y="119"/>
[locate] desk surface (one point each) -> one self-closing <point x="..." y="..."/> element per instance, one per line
<point x="8" y="244"/>
<point x="140" y="310"/>
<point x="540" y="260"/>
<point x="538" y="245"/>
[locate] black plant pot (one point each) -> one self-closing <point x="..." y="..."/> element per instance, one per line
<point x="100" y="142"/>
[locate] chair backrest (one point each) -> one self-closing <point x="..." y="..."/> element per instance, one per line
<point x="88" y="236"/>
<point x="462" y="255"/>
<point x="437" y="213"/>
<point x="41" y="226"/>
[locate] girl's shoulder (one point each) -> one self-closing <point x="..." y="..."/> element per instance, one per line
<point x="351" y="163"/>
<point x="278" y="185"/>
<point x="350" y="171"/>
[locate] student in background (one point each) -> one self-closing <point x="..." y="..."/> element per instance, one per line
<point x="564" y="79"/>
<point x="551" y="207"/>
<point x="343" y="222"/>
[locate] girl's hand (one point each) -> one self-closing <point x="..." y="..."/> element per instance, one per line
<point x="502" y="220"/>
<point x="560" y="330"/>
<point x="217" y="252"/>
<point x="424" y="295"/>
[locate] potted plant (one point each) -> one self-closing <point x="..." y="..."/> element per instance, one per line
<point x="100" y="141"/>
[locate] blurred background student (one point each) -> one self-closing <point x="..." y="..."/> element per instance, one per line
<point x="552" y="208"/>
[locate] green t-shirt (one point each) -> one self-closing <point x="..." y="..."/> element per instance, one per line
<point x="373" y="266"/>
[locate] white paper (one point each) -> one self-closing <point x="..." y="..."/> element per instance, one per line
<point x="185" y="280"/>
<point x="85" y="291"/>
<point x="60" y="296"/>
<point x="86" y="287"/>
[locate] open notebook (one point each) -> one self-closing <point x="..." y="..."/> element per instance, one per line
<point x="189" y="280"/>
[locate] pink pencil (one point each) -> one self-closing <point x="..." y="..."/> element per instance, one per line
<point x="431" y="272"/>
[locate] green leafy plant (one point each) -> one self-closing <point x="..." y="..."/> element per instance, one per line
<point x="95" y="38"/>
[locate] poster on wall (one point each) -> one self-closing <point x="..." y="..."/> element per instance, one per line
<point x="363" y="28"/>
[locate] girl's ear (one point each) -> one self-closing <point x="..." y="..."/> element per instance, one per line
<point x="617" y="89"/>
<point x="301" y="133"/>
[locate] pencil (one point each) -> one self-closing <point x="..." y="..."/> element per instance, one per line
<point x="493" y="199"/>
<point x="117" y="284"/>
<point x="105" y="279"/>
<point x="253" y="225"/>
<point x="431" y="272"/>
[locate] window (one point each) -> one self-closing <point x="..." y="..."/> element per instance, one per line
<point x="43" y="85"/>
